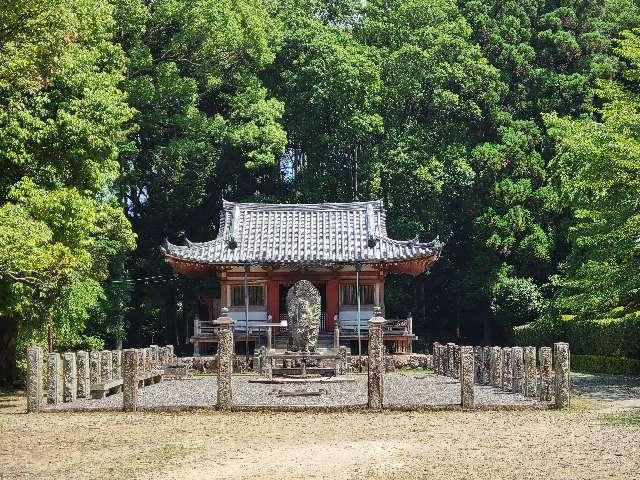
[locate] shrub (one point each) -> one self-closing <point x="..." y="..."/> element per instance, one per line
<point x="611" y="337"/>
<point x="602" y="364"/>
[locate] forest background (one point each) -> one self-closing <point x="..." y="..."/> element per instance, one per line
<point x="508" y="128"/>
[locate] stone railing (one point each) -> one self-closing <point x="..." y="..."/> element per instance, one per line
<point x="532" y="372"/>
<point x="95" y="374"/>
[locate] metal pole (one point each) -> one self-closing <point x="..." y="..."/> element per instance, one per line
<point x="358" y="299"/>
<point x="246" y="313"/>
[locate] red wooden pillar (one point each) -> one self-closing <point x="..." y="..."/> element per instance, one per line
<point x="273" y="300"/>
<point x="332" y="302"/>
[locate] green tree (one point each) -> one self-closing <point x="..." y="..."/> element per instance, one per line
<point x="63" y="120"/>
<point x="206" y="128"/>
<point x="596" y="168"/>
<point x="330" y="85"/>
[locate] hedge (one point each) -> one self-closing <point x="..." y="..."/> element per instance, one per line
<point x="602" y="364"/>
<point x="611" y="337"/>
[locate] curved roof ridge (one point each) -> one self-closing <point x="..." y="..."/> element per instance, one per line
<point x="379" y="204"/>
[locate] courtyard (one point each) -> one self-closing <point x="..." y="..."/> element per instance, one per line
<point x="598" y="437"/>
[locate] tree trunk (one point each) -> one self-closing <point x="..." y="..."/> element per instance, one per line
<point x="9" y="374"/>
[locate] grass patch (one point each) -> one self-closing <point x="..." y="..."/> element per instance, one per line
<point x="581" y="404"/>
<point x="630" y="418"/>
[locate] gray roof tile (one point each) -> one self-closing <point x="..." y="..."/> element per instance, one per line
<point x="307" y="234"/>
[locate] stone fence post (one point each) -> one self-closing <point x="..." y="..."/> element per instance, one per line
<point x="84" y="374"/>
<point x="106" y="367"/>
<point x="517" y="360"/>
<point x="507" y="370"/>
<point x="450" y="360"/>
<point x="95" y="369"/>
<point x="496" y="367"/>
<point x="55" y="379"/>
<point x="34" y="379"/>
<point x="456" y="361"/>
<point x="466" y="376"/>
<point x="130" y="380"/>
<point x="562" y="374"/>
<point x="486" y="365"/>
<point x="530" y="372"/>
<point x="116" y="363"/>
<point x="70" y="387"/>
<point x="155" y="352"/>
<point x="545" y="374"/>
<point x="225" y="359"/>
<point x="376" y="361"/>
<point x="477" y="365"/>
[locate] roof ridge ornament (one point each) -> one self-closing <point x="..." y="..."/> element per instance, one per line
<point x="232" y="242"/>
<point x="372" y="236"/>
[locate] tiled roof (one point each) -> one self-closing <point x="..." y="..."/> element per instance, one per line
<point x="303" y="234"/>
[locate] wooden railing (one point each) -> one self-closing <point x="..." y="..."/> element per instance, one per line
<point x="347" y="327"/>
<point x="323" y="321"/>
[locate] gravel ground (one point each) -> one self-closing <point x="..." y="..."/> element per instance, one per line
<point x="621" y="389"/>
<point x="400" y="391"/>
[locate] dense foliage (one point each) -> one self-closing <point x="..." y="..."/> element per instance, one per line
<point x="508" y="128"/>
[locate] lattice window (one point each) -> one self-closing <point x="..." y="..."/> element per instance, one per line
<point x="348" y="295"/>
<point x="256" y="295"/>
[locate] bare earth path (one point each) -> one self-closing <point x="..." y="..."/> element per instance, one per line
<point x="575" y="444"/>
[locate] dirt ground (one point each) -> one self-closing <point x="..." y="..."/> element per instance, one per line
<point x="592" y="440"/>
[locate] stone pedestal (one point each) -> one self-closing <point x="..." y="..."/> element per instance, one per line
<point x="496" y="367"/>
<point x="107" y="367"/>
<point x="95" y="368"/>
<point x="376" y="362"/>
<point x="530" y="372"/>
<point x="562" y="374"/>
<point x="466" y="376"/>
<point x="116" y="364"/>
<point x="225" y="360"/>
<point x="545" y="374"/>
<point x="130" y="380"/>
<point x="34" y="379"/>
<point x="70" y="388"/>
<point x="507" y="370"/>
<point x="517" y="360"/>
<point x="54" y="373"/>
<point x="84" y="374"/>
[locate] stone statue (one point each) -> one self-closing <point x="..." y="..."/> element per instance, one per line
<point x="303" y="310"/>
